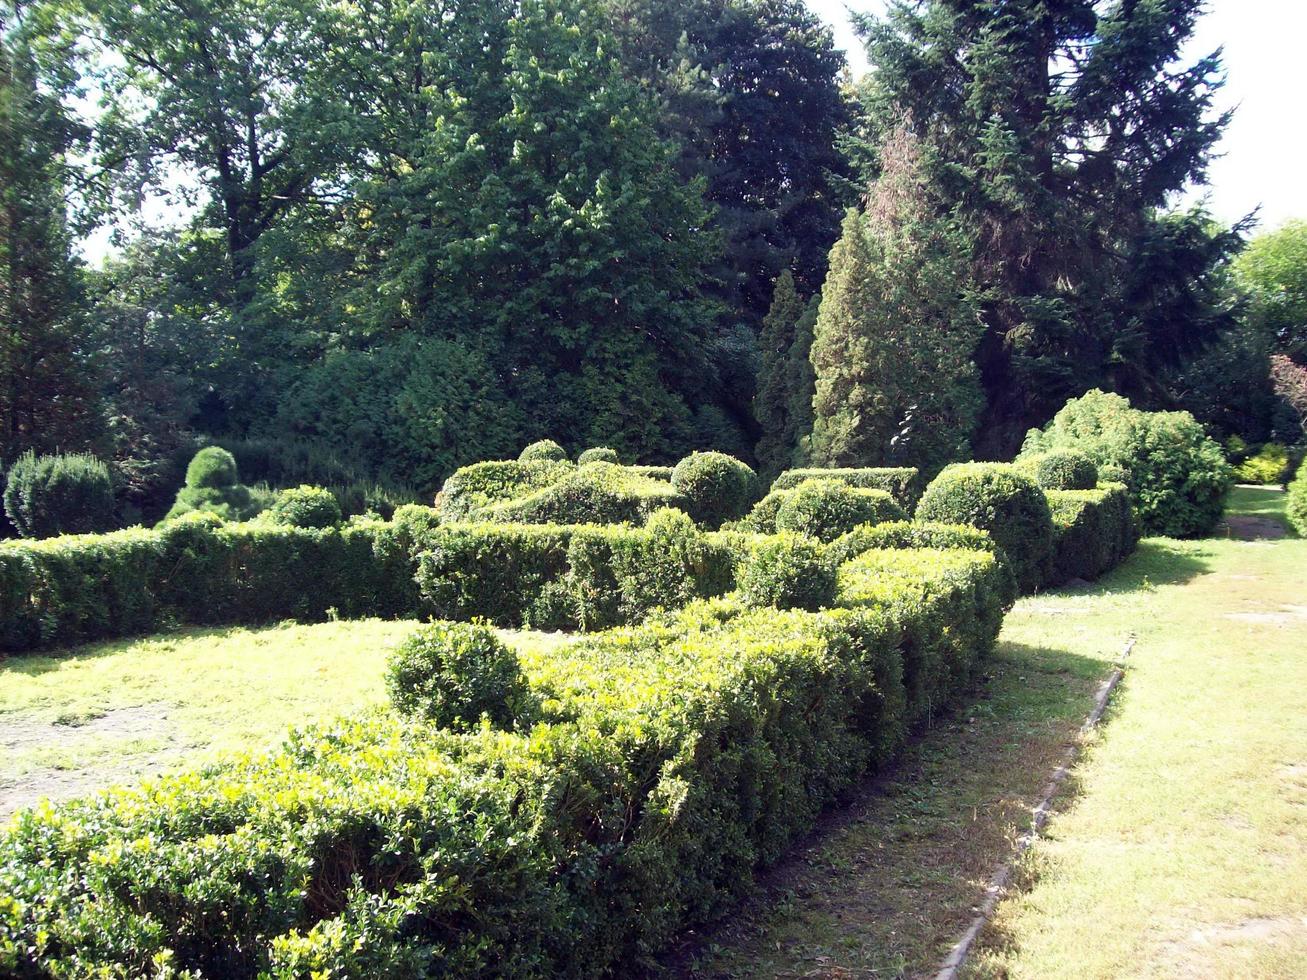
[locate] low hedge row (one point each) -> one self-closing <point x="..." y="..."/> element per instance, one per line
<point x="596" y="493"/>
<point x="667" y="761"/>
<point x="901" y="482"/>
<point x="820" y="508"/>
<point x="1093" y="531"/>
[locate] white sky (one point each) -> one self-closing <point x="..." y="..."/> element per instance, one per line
<point x="1263" y="149"/>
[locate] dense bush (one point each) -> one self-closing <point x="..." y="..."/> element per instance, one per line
<point x="1112" y="473"/>
<point x="599" y="454"/>
<point x="896" y="535"/>
<point x="1094" y="531"/>
<point x="1001" y="500"/>
<point x="596" y="493"/>
<point x="787" y="571"/>
<point x="49" y="495"/>
<point x="899" y="481"/>
<point x="1177" y="475"/>
<point x="305" y="507"/>
<point x="454" y="675"/>
<point x="1296" y="506"/>
<point x="826" y="509"/>
<point x="1270" y="464"/>
<point x="211" y="488"/>
<point x="544" y="451"/>
<point x="761" y="518"/>
<point x="472" y="489"/>
<point x="1063" y="470"/>
<point x="669" y="761"/>
<point x="719" y="487"/>
<point x="653" y="472"/>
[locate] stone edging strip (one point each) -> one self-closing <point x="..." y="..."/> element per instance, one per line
<point x="958" y="955"/>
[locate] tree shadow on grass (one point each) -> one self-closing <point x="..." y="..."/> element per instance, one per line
<point x="886" y="884"/>
<point x="1157" y="561"/>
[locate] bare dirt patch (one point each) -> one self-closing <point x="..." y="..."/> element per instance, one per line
<point x="1247" y="527"/>
<point x="1192" y="956"/>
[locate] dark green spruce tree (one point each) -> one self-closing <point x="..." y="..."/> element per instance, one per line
<point x="1059" y="130"/>
<point x="771" y="405"/>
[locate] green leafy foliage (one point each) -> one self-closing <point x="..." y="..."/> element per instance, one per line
<point x="305" y="506"/>
<point x="596" y="493"/>
<point x="455" y="675"/>
<point x="49" y="495"/>
<point x="598" y="454"/>
<point x="1001" y="500"/>
<point x="1062" y="470"/>
<point x="827" y="509"/>
<point x="1094" y="531"/>
<point x="212" y="487"/>
<point x="787" y="571"/>
<point x="1296" y="506"/>
<point x="1270" y="464"/>
<point x="213" y="467"/>
<point x="719" y="488"/>
<point x="472" y="488"/>
<point x="901" y="482"/>
<point x="544" y="451"/>
<point x="1177" y="475"/>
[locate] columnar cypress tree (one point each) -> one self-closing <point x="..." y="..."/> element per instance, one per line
<point x="895" y="330"/>
<point x="1058" y="128"/>
<point x="771" y="406"/>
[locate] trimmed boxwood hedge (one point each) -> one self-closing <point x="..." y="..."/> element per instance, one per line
<point x="668" y="761"/>
<point x="1094" y="531"/>
<point x="900" y="482"/>
<point x="471" y="489"/>
<point x="825" y="509"/>
<point x="596" y="493"/>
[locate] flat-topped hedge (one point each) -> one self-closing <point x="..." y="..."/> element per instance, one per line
<point x="901" y="482"/>
<point x="1093" y="530"/>
<point x="668" y="761"/>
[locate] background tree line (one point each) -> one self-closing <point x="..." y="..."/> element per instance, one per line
<point x="415" y="235"/>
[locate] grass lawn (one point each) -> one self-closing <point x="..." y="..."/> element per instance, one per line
<point x="1182" y="845"/>
<point x="72" y="721"/>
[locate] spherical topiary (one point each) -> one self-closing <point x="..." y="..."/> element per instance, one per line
<point x="49" y="495"/>
<point x="306" y="506"/>
<point x="455" y="674"/>
<point x="212" y="466"/>
<point x="826" y="509"/>
<point x="1001" y="500"/>
<point x="1066" y="470"/>
<point x="599" y="454"/>
<point x="720" y="488"/>
<point x="1296" y="506"/>
<point x="787" y="571"/>
<point x="544" y="451"/>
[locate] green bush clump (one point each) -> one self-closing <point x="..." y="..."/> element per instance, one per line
<point x="1094" y="531"/>
<point x="826" y="509"/>
<point x="544" y="451"/>
<point x="663" y="473"/>
<point x="211" y="487"/>
<point x="598" y="454"/>
<point x="899" y="481"/>
<point x="1270" y="464"/>
<point x="305" y="507"/>
<point x="1112" y="473"/>
<point x="1001" y="500"/>
<point x="1296" y="505"/>
<point x="469" y="491"/>
<point x="719" y="487"/>
<point x="787" y="571"/>
<point x="1064" y="470"/>
<point x="1177" y="475"/>
<point x="596" y="493"/>
<point x="897" y="535"/>
<point x="49" y="495"/>
<point x="454" y="675"/>
<point x="761" y="519"/>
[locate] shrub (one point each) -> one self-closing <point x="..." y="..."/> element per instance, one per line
<point x="719" y="487"/>
<point x="49" y="495"/>
<point x="1270" y="464"/>
<point x="597" y="493"/>
<point x="1296" y="505"/>
<point x="599" y="454"/>
<point x="306" y="507"/>
<point x="453" y="675"/>
<point x="652" y="472"/>
<point x="996" y="498"/>
<point x="826" y="509"/>
<point x="212" y="466"/>
<point x="1094" y="531"/>
<point x="472" y="489"/>
<point x="899" y="481"/>
<point x="1112" y="473"/>
<point x="897" y="535"/>
<point x="1177" y="476"/>
<point x="1064" y="470"/>
<point x="787" y="571"/>
<point x="544" y="451"/>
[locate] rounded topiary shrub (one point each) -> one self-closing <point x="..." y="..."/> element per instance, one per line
<point x="826" y="509"/>
<point x="1066" y="470"/>
<point x="212" y="466"/>
<point x="599" y="454"/>
<point x="1111" y="473"/>
<point x="455" y="674"/>
<point x="306" y="506"/>
<point x="49" y="495"/>
<point x="787" y="571"/>
<point x="1001" y="500"/>
<point x="719" y="487"/>
<point x="544" y="451"/>
<point x="1296" y="506"/>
